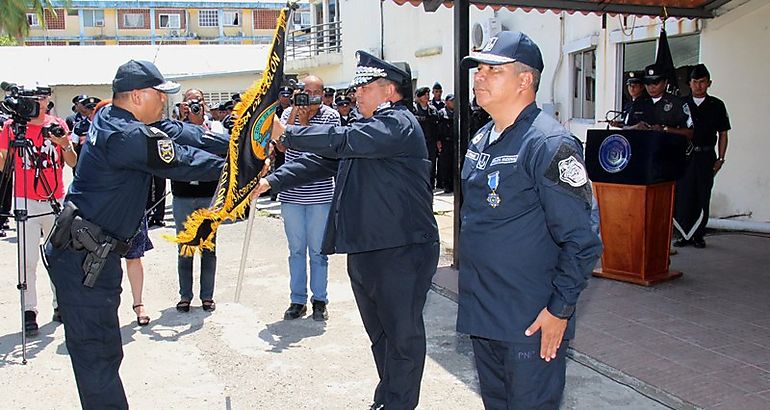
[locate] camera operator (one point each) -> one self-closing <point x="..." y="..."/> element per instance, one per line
<point x="189" y="197"/>
<point x="51" y="148"/>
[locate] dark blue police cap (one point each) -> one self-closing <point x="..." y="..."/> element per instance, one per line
<point x="506" y="47"/>
<point x="699" y="71"/>
<point x="449" y="97"/>
<point x="634" y="77"/>
<point x="78" y="98"/>
<point x="329" y="91"/>
<point x="437" y="86"/>
<point x="90" y="102"/>
<point x="136" y="75"/>
<point x="422" y="91"/>
<point x="653" y="73"/>
<point x="371" y="68"/>
<point x="286" y="91"/>
<point x="342" y="100"/>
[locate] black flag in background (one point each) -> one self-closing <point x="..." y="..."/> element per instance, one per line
<point x="664" y="60"/>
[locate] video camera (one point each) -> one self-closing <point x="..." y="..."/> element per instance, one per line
<point x="20" y="103"/>
<point x="303" y="99"/>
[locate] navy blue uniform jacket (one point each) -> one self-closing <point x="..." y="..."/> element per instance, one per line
<point x="382" y="197"/>
<point x="120" y="156"/>
<point x="536" y="248"/>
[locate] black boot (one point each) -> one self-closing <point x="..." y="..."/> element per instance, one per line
<point x="319" y="311"/>
<point x="30" y="323"/>
<point x="295" y="311"/>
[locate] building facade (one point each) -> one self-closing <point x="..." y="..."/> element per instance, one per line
<point x="142" y="22"/>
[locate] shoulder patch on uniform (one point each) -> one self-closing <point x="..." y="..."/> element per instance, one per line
<point x="153" y="132"/>
<point x="567" y="171"/>
<point x="166" y="150"/>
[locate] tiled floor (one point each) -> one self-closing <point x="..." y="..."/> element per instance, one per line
<point x="704" y="338"/>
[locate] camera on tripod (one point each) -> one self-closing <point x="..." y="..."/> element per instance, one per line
<point x="22" y="103"/>
<point x="303" y="99"/>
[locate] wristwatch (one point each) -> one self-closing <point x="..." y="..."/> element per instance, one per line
<point x="721" y="159"/>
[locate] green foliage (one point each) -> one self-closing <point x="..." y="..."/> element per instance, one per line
<point x="7" y="41"/>
<point x="13" y="15"/>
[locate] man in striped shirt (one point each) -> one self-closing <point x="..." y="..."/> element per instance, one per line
<point x="304" y="210"/>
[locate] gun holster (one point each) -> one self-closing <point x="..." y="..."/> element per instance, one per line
<point x="80" y="234"/>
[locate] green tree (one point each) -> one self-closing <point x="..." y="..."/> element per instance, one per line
<point x="13" y="15"/>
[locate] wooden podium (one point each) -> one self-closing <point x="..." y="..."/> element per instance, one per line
<point x="633" y="174"/>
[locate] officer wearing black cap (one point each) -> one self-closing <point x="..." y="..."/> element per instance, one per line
<point x="118" y="160"/>
<point x="526" y="242"/>
<point x="345" y="108"/>
<point x="660" y="110"/>
<point x="693" y="190"/>
<point x="328" y="97"/>
<point x="77" y="110"/>
<point x="445" y="163"/>
<point x="427" y="116"/>
<point x="381" y="217"/>
<point x="437" y="102"/>
<point x="635" y="90"/>
<point x="284" y="99"/>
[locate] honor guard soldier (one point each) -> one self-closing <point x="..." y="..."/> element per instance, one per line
<point x="345" y="109"/>
<point x="103" y="209"/>
<point x="660" y="110"/>
<point x="427" y="116"/>
<point x="693" y="190"/>
<point x="380" y="216"/>
<point x="328" y="97"/>
<point x="526" y="242"/>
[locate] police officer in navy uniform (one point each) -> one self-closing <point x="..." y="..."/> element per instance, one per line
<point x="660" y="110"/>
<point x="120" y="157"/>
<point x="380" y="216"/>
<point x="693" y="190"/>
<point x="526" y="242"/>
<point x="635" y="90"/>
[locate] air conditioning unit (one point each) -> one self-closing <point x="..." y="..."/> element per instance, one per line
<point x="99" y="23"/>
<point x="481" y="32"/>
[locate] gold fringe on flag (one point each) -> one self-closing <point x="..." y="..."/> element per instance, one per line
<point x="247" y="152"/>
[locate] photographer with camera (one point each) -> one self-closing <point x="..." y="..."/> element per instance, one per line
<point x="189" y="197"/>
<point x="38" y="180"/>
<point x="305" y="208"/>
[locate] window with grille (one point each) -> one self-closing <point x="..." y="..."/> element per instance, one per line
<point x="208" y="18"/>
<point x="32" y="20"/>
<point x="214" y="98"/>
<point x="584" y="84"/>
<point x="93" y="18"/>
<point x="232" y="18"/>
<point x="133" y="20"/>
<point x="170" y="20"/>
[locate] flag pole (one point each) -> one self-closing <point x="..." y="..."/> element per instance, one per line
<point x="291" y="5"/>
<point x="245" y="250"/>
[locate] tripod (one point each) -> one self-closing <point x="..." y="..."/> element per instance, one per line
<point x="21" y="147"/>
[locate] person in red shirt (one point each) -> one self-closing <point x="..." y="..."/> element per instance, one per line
<point x="33" y="189"/>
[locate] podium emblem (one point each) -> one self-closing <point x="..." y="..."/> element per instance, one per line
<point x="614" y="153"/>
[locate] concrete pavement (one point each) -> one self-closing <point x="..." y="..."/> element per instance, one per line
<point x="243" y="355"/>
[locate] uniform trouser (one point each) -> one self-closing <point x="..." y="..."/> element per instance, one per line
<point x="445" y="168"/>
<point x="432" y="156"/>
<point x="693" y="196"/>
<point x="91" y="327"/>
<point x="390" y="287"/>
<point x="157" y="197"/>
<point x="512" y="376"/>
<point x="36" y="228"/>
<point x="182" y="208"/>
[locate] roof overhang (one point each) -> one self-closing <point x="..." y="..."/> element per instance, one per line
<point x="703" y="9"/>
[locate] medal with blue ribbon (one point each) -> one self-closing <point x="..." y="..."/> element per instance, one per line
<point x="493" y="180"/>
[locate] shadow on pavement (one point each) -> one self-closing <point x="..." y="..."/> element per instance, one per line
<point x="285" y="334"/>
<point x="10" y="344"/>
<point x="169" y="327"/>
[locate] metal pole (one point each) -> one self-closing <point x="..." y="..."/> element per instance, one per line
<point x="461" y="114"/>
<point x="245" y="251"/>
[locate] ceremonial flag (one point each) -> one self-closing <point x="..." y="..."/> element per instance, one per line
<point x="664" y="60"/>
<point x="247" y="152"/>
